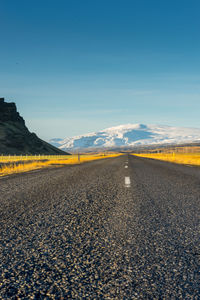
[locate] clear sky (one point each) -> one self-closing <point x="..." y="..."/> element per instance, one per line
<point x="76" y="66"/>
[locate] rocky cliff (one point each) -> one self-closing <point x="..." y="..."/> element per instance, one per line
<point x="15" y="138"/>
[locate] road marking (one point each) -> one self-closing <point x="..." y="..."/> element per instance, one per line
<point x="127" y="182"/>
<point x="126" y="167"/>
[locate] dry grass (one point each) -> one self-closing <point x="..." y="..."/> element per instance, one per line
<point x="179" y="158"/>
<point x="17" y="164"/>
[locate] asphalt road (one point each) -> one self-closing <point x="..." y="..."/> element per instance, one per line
<point x="119" y="228"/>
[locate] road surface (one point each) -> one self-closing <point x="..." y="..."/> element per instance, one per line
<point x="117" y="228"/>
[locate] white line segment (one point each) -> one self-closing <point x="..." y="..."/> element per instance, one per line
<point x="127" y="182"/>
<point x="126" y="167"/>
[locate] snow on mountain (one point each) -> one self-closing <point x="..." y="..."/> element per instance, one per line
<point x="56" y="142"/>
<point x="129" y="135"/>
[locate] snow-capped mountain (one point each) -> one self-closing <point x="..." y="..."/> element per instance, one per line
<point x="129" y="135"/>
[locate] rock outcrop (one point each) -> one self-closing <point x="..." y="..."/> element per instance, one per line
<point x="15" y="138"/>
<point x="8" y="113"/>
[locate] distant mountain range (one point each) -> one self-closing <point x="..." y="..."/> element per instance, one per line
<point x="129" y="135"/>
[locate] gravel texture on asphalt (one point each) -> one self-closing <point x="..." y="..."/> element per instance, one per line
<point x="78" y="233"/>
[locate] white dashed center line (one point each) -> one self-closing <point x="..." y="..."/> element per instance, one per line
<point x="126" y="167"/>
<point x="127" y="182"/>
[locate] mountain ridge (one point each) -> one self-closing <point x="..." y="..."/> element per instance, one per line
<point x="15" y="138"/>
<point x="127" y="135"/>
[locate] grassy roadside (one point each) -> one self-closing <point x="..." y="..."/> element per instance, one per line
<point x="18" y="164"/>
<point x="178" y="158"/>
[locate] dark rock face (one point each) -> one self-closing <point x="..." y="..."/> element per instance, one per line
<point x="15" y="138"/>
<point x="8" y="112"/>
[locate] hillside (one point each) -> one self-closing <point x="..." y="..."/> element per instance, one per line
<point x="130" y="135"/>
<point x="15" y="138"/>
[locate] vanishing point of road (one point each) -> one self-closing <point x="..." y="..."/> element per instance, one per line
<point x="117" y="228"/>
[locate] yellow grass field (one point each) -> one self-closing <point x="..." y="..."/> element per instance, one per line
<point x="17" y="164"/>
<point x="179" y="158"/>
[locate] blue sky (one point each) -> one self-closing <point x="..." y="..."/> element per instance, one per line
<point x="77" y="66"/>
